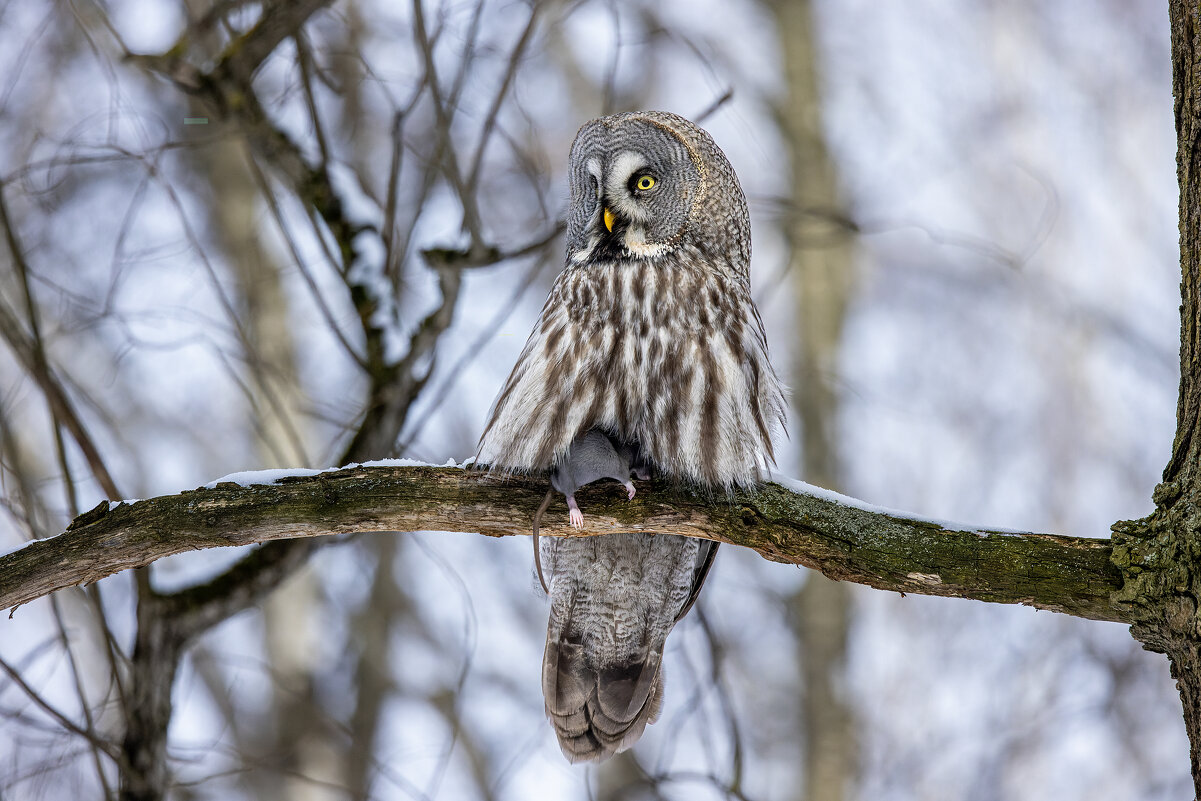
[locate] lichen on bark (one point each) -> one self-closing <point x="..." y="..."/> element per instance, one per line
<point x="881" y="549"/>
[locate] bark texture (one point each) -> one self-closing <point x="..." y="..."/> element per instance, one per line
<point x="880" y="548"/>
<point x="1160" y="556"/>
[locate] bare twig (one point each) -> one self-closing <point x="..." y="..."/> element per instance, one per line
<point x="497" y="101"/>
<point x="471" y="214"/>
<point x="282" y="21"/>
<point x="77" y="682"/>
<point x="712" y="108"/>
<point x="32" y="359"/>
<point x="104" y="746"/>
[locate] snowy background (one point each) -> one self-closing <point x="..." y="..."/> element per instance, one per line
<point x="1009" y="358"/>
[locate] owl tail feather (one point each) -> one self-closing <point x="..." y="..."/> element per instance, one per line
<point x="597" y="713"/>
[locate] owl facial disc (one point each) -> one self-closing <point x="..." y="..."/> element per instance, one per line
<point x="633" y="186"/>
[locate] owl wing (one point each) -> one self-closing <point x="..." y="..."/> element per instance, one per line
<point x="704" y="561"/>
<point x="544" y="403"/>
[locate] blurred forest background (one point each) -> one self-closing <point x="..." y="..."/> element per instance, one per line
<point x="327" y="242"/>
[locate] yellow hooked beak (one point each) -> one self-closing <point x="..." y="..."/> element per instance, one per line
<point x="609" y="218"/>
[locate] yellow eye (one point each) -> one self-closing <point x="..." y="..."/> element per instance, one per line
<point x="645" y="182"/>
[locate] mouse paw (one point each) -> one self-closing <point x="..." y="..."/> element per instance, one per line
<point x="629" y="485"/>
<point x="576" y="517"/>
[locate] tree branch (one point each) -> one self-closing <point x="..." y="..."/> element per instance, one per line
<point x="809" y="527"/>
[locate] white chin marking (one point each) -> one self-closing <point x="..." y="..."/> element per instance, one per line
<point x="637" y="245"/>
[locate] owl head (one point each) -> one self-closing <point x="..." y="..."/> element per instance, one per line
<point x="646" y="183"/>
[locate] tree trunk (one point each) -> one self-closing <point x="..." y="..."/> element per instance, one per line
<point x="157" y="650"/>
<point x="1160" y="556"/>
<point x="821" y="270"/>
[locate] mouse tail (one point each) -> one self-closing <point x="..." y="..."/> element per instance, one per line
<point x="538" y="550"/>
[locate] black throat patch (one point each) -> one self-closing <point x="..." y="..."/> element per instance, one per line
<point x="611" y="245"/>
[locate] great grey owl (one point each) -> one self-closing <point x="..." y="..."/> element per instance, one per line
<point x="650" y="335"/>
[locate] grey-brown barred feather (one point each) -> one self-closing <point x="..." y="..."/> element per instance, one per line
<point x="654" y="351"/>
<point x="649" y="334"/>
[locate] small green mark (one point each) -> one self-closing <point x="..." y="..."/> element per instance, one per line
<point x="195" y="120"/>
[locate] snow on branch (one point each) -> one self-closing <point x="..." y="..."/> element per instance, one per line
<point x="790" y="523"/>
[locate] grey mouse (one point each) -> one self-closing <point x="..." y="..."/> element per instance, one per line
<point x="589" y="458"/>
